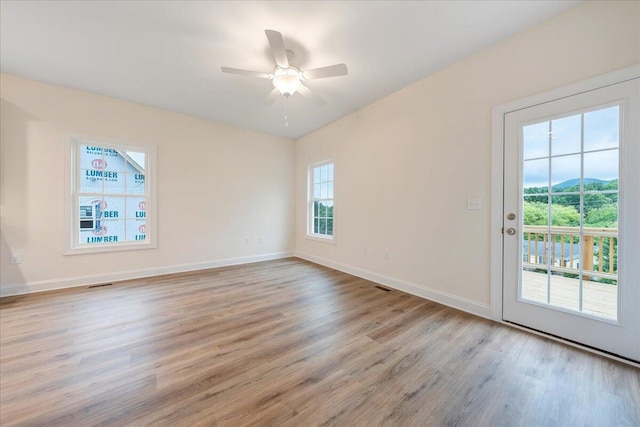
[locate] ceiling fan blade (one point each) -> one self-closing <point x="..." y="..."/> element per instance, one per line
<point x="322" y="72"/>
<point x="307" y="93"/>
<point x="272" y="97"/>
<point x="277" y="48"/>
<point x="245" y="72"/>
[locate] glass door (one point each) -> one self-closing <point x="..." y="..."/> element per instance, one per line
<point x="572" y="185"/>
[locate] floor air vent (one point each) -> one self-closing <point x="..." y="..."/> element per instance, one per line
<point x="382" y="288"/>
<point x="100" y="285"/>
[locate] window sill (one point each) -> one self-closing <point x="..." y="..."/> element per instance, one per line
<point x="317" y="238"/>
<point x="110" y="248"/>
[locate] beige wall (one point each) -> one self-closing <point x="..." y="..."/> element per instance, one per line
<point x="217" y="184"/>
<point x="406" y="165"/>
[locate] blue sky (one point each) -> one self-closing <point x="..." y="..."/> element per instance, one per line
<point x="601" y="132"/>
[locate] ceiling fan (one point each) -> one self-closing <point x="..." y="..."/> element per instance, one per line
<point x="288" y="79"/>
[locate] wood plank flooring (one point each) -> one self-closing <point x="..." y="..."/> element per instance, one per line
<point x="288" y="343"/>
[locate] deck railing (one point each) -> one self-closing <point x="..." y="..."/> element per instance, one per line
<point x="562" y="249"/>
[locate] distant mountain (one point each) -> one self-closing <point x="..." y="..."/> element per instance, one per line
<point x="576" y="181"/>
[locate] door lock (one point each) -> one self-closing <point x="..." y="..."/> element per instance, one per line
<point x="511" y="231"/>
<point x="511" y="216"/>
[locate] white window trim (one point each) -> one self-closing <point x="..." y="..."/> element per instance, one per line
<point x="71" y="215"/>
<point x="309" y="217"/>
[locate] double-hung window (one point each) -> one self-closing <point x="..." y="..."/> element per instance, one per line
<point x="111" y="206"/>
<point x="321" y="202"/>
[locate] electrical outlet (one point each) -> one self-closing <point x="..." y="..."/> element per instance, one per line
<point x="261" y="239"/>
<point x="364" y="251"/>
<point x="16" y="259"/>
<point x="386" y="253"/>
<point x="246" y="240"/>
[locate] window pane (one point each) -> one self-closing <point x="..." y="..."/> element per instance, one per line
<point x="113" y="231"/>
<point x="323" y="226"/>
<point x="323" y="174"/>
<point x="601" y="166"/>
<point x="90" y="181"/>
<point x="90" y="216"/>
<point x="564" y="292"/>
<point x="536" y="176"/>
<point x="329" y="227"/>
<point x="136" y="207"/>
<point x="565" y="133"/>
<point x="535" y="140"/>
<point x="534" y="283"/>
<point x="329" y="209"/>
<point x="330" y="190"/>
<point x="101" y="158"/>
<point x="315" y="208"/>
<point x="536" y="212"/>
<point x="316" y="225"/>
<point x="565" y="211"/>
<point x="602" y="128"/>
<point x="113" y="182"/>
<point x="110" y="231"/>
<point x="113" y="160"/>
<point x="322" y="210"/>
<point x="91" y="157"/>
<point x="600" y="298"/>
<point x="601" y="210"/>
<point x="605" y="247"/>
<point x="113" y="208"/>
<point x="605" y="256"/>
<point x="330" y="172"/>
<point x="136" y="229"/>
<point x="136" y="161"/>
<point x="316" y="191"/>
<point x="135" y="183"/>
<point x="324" y="190"/>
<point x="536" y="255"/>
<point x="316" y="175"/>
<point x="565" y="172"/>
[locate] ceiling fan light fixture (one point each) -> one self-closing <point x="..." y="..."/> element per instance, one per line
<point x="286" y="80"/>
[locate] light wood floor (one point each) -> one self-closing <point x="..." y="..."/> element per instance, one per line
<point x="288" y="343"/>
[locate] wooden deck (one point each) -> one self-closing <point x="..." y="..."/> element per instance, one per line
<point x="598" y="299"/>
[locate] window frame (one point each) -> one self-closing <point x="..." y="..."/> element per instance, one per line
<point x="310" y="203"/>
<point x="71" y="245"/>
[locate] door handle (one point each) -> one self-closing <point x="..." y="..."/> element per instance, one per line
<point x="511" y="231"/>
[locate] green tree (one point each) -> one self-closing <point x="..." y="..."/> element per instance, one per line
<point x="604" y="216"/>
<point x="562" y="215"/>
<point x="537" y="213"/>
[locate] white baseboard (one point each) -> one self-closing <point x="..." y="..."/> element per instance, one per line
<point x="444" y="298"/>
<point x="70" y="282"/>
<point x="420" y="291"/>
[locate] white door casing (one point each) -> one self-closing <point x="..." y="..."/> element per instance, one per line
<point x="620" y="336"/>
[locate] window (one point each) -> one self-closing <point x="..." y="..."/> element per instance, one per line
<point x="110" y="197"/>
<point x="321" y="203"/>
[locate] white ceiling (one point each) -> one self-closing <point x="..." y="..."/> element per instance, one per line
<point x="168" y="54"/>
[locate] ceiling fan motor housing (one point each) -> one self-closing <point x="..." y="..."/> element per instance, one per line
<point x="287" y="80"/>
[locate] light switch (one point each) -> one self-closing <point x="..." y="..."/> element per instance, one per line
<point x="474" y="204"/>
